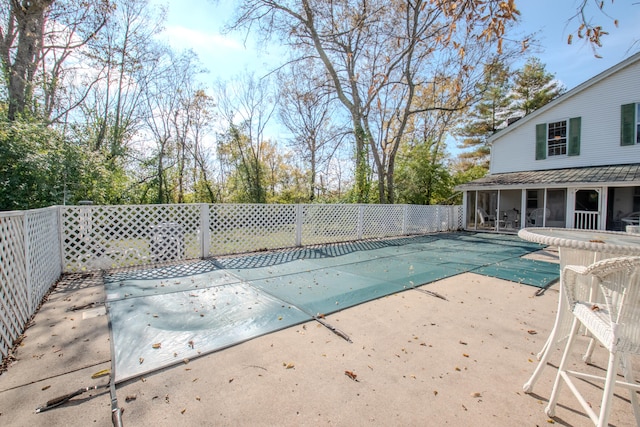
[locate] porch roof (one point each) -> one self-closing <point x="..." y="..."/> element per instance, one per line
<point x="609" y="175"/>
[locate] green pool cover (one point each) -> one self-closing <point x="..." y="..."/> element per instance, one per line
<point x="162" y="316"/>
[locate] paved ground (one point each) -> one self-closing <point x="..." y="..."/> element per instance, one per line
<point x="415" y="360"/>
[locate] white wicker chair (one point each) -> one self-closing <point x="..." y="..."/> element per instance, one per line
<point x="536" y="217"/>
<point x="614" y="323"/>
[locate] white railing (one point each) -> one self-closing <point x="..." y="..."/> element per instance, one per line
<point x="587" y="220"/>
<point x="29" y="266"/>
<point x="37" y="246"/>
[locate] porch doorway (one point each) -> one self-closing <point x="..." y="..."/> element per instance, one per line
<point x="586" y="211"/>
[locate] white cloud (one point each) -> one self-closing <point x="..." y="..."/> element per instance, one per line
<point x="198" y="40"/>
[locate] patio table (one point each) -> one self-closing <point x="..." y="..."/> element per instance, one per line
<point x="575" y="247"/>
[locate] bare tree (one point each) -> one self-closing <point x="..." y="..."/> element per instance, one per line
<point x="163" y="95"/>
<point x="123" y="56"/>
<point x="308" y="112"/>
<point x="376" y="52"/>
<point x="36" y="39"/>
<point x="200" y="117"/>
<point x="246" y="106"/>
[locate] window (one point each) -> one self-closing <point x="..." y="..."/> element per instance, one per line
<point x="630" y="124"/>
<point x="557" y="138"/>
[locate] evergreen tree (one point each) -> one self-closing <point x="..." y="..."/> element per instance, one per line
<point x="534" y="87"/>
<point x="487" y="114"/>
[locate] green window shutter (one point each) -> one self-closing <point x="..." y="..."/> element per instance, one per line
<point x="541" y="141"/>
<point x="574" y="136"/>
<point x="627" y="124"/>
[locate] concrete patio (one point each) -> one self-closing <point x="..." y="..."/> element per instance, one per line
<point x="415" y="359"/>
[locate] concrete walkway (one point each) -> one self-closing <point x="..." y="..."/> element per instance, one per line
<point x="415" y="360"/>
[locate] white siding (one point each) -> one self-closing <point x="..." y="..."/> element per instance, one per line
<point x="599" y="107"/>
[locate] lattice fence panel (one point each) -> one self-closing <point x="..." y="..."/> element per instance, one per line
<point x="382" y="220"/>
<point x="329" y="223"/>
<point x="99" y="237"/>
<point x="14" y="300"/>
<point x="428" y="219"/>
<point x="43" y="252"/>
<point x="237" y="228"/>
<point x="460" y="217"/>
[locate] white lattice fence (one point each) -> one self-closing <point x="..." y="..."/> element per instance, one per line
<point x="382" y="221"/>
<point x="14" y="300"/>
<point x="431" y="219"/>
<point x="43" y="253"/>
<point x="237" y="228"/>
<point x="329" y="224"/>
<point x="98" y="237"/>
<point x="29" y="266"/>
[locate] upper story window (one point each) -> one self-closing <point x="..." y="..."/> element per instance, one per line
<point x="557" y="138"/>
<point x="630" y="124"/>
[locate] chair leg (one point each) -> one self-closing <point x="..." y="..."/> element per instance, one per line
<point x="628" y="376"/>
<point x="543" y="358"/>
<point x="553" y="399"/>
<point x="609" y="385"/>
<point x="587" y="355"/>
<point x="544" y="348"/>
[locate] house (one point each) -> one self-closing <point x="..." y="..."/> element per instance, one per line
<point x="574" y="163"/>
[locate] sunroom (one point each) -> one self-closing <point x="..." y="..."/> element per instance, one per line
<point x="593" y="198"/>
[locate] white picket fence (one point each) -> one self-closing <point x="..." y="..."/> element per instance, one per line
<point x="37" y="246"/>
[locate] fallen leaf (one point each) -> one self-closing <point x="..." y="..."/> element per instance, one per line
<point x="156" y="345"/>
<point x="99" y="374"/>
<point x="351" y="375"/>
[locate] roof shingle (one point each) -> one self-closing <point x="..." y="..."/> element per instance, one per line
<point x="587" y="175"/>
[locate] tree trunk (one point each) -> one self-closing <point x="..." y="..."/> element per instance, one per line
<point x="30" y="17"/>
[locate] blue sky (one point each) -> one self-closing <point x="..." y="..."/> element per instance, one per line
<point x="197" y="26"/>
